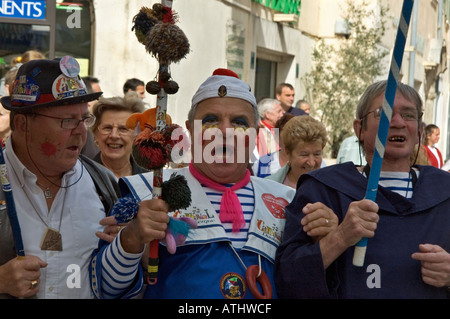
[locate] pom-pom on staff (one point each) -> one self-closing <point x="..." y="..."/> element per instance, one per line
<point x="155" y="28"/>
<point x="385" y="120"/>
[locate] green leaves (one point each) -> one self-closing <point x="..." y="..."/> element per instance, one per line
<point x="343" y="68"/>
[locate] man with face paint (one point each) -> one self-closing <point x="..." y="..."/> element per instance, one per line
<point x="240" y="218"/>
<point x="56" y="200"/>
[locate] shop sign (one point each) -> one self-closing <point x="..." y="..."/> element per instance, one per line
<point x="23" y="9"/>
<point x="283" y="6"/>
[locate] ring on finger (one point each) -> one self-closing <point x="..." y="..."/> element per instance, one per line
<point x="326" y="221"/>
<point x="34" y="284"/>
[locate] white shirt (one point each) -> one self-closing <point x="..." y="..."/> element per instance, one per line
<point x="350" y="151"/>
<point x="67" y="273"/>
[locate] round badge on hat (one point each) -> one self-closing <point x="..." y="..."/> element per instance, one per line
<point x="43" y="83"/>
<point x="69" y="66"/>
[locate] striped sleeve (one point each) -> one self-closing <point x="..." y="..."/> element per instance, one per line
<point x="119" y="274"/>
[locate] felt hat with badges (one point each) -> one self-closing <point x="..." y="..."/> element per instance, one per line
<point x="42" y="83"/>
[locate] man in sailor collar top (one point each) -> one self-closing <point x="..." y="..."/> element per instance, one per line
<point x="240" y="218"/>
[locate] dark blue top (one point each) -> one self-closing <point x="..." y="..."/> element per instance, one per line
<point x="403" y="225"/>
<point x="296" y="111"/>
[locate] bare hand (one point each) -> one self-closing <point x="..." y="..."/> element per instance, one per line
<point x="319" y="220"/>
<point x="150" y="223"/>
<point x="19" y="277"/>
<point x="435" y="265"/>
<point x="111" y="229"/>
<point x="360" y="221"/>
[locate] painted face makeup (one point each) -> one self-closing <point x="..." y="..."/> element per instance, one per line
<point x="48" y="148"/>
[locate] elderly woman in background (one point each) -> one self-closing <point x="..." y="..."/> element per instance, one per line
<point x="270" y="163"/>
<point x="303" y="138"/>
<point x="114" y="139"/>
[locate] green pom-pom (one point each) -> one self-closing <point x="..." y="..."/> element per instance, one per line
<point x="176" y="193"/>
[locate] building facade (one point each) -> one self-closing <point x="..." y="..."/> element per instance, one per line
<point x="265" y="41"/>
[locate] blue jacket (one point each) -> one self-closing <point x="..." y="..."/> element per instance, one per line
<point x="403" y="225"/>
<point x="206" y="266"/>
<point x="203" y="271"/>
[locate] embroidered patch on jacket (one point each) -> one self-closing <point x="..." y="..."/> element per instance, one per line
<point x="232" y="286"/>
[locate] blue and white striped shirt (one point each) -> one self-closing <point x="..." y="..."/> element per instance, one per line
<point x="247" y="200"/>
<point x="398" y="182"/>
<point x="120" y="267"/>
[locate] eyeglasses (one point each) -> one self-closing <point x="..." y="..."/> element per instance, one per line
<point x="70" y="123"/>
<point x="107" y="129"/>
<point x="407" y="114"/>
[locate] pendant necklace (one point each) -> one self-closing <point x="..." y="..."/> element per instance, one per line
<point x="51" y="240"/>
<point x="47" y="192"/>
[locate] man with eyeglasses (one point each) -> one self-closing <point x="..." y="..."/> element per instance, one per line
<point x="56" y="195"/>
<point x="408" y="225"/>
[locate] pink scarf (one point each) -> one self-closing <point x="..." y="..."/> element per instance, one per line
<point x="230" y="207"/>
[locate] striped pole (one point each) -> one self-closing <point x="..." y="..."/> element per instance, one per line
<point x="161" y="111"/>
<point x="386" y="115"/>
<point x="10" y="206"/>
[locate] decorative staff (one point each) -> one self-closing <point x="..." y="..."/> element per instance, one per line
<point x="156" y="29"/>
<point x="386" y="115"/>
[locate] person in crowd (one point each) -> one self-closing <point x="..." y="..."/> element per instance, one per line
<point x="407" y="226"/>
<point x="212" y="262"/>
<point x="284" y="92"/>
<point x="92" y="83"/>
<point x="270" y="163"/>
<point x="303" y="105"/>
<point x="15" y="64"/>
<point x="432" y="135"/>
<point x="28" y="56"/>
<point x="112" y="136"/>
<point x="303" y="139"/>
<point x="270" y="111"/>
<point x="136" y="85"/>
<point x="5" y="129"/>
<point x="350" y="150"/>
<point x="10" y="77"/>
<point x="59" y="196"/>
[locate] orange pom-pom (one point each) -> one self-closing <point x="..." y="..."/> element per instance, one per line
<point x="146" y="118"/>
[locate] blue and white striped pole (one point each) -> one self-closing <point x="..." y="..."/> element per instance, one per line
<point x="386" y="115"/>
<point x="10" y="206"/>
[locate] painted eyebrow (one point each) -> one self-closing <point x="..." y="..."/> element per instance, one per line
<point x="241" y="118"/>
<point x="208" y="117"/>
